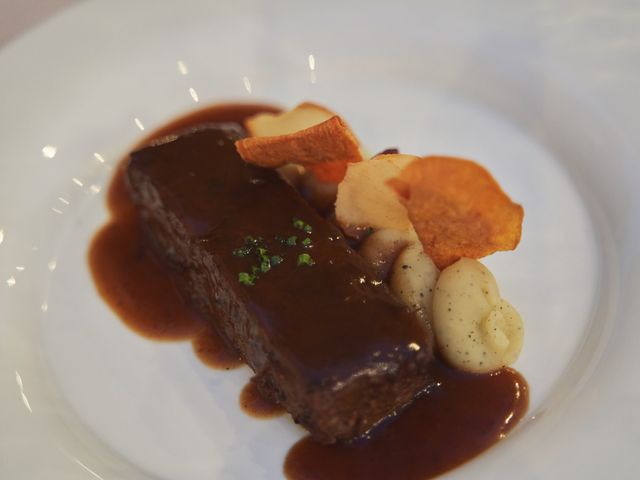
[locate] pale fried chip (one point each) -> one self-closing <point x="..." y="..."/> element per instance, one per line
<point x="364" y="198"/>
<point x="329" y="141"/>
<point x="303" y="116"/>
<point x="457" y="209"/>
<point x="306" y="117"/>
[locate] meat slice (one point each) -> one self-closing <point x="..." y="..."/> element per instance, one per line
<point x="327" y="341"/>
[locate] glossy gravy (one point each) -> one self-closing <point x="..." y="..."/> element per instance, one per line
<point x="256" y="405"/>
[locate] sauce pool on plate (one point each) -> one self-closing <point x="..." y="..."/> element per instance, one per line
<point x="142" y="291"/>
<point x="457" y="417"/>
<point x="254" y="404"/>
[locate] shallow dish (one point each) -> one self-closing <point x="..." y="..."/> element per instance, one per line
<point x="83" y="396"/>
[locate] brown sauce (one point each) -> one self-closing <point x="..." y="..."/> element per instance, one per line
<point x="142" y="291"/>
<point x="457" y="418"/>
<point x="460" y="416"/>
<point x="255" y="404"/>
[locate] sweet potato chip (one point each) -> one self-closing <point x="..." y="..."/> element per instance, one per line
<point x="329" y="172"/>
<point x="329" y="141"/>
<point x="364" y="198"/>
<point x="458" y="209"/>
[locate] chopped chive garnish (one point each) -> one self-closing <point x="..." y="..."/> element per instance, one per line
<point x="300" y="225"/>
<point x="242" y="251"/>
<point x="256" y="247"/>
<point x="305" y="259"/>
<point x="265" y="265"/>
<point x="306" y="242"/>
<point x="245" y="279"/>
<point x="291" y="241"/>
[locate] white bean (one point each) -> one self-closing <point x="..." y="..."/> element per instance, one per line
<point x="413" y="278"/>
<point x="383" y="246"/>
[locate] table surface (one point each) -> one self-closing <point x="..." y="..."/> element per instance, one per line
<point x="18" y="16"/>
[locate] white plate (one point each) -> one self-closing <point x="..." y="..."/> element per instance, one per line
<point x="545" y="95"/>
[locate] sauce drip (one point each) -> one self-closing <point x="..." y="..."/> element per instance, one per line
<point x="141" y="290"/>
<point x="255" y="404"/>
<point x="459" y="416"/>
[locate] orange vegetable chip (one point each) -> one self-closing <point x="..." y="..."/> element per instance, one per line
<point x="329" y="172"/>
<point x="457" y="209"/>
<point x="328" y="143"/>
